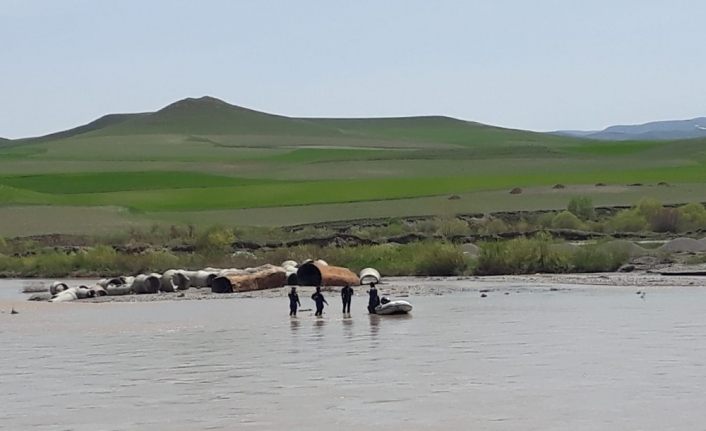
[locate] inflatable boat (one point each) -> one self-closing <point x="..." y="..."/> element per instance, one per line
<point x="394" y="307"/>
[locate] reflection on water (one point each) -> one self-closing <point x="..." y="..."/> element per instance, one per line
<point x="319" y="323"/>
<point x="347" y="325"/>
<point x="374" y="324"/>
<point x="294" y="323"/>
<point x="580" y="359"/>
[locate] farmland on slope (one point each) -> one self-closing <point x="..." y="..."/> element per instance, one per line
<point x="198" y="156"/>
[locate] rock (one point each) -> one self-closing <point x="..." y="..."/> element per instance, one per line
<point x="632" y="249"/>
<point x="559" y="186"/>
<point x="684" y="245"/>
<point x="246" y="245"/>
<point x="483" y="295"/>
<point x="627" y="268"/>
<point x="42" y="296"/>
<point x="405" y="239"/>
<point x="516" y="191"/>
<point x="183" y="248"/>
<point x="470" y="249"/>
<point x="454" y="197"/>
<point x="13" y="311"/>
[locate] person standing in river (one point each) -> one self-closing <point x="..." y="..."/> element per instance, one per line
<point x="374" y="299"/>
<point x="319" y="299"/>
<point x="294" y="302"/>
<point x="346" y="296"/>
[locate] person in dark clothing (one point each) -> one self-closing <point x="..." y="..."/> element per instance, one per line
<point x="319" y="299"/>
<point x="374" y="299"/>
<point x="294" y="302"/>
<point x="346" y="296"/>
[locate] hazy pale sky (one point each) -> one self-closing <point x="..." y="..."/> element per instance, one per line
<point x="540" y="64"/>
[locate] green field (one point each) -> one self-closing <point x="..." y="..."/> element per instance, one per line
<point x="204" y="161"/>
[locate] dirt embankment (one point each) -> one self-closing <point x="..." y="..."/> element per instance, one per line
<point x="344" y="233"/>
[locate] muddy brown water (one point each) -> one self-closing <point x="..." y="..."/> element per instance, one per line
<point x="581" y="358"/>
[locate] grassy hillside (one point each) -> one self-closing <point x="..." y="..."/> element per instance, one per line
<point x="101" y="123"/>
<point x="217" y="122"/>
<point x="210" y="116"/>
<point x="203" y="154"/>
<point x="439" y="129"/>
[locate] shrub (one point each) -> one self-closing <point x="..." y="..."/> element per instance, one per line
<point x="419" y="258"/>
<point x="521" y="256"/>
<point x="392" y="229"/>
<point x="665" y="220"/>
<point x="99" y="259"/>
<point x="215" y="240"/>
<point x="52" y="265"/>
<point x="692" y="216"/>
<point x="566" y="220"/>
<point x="649" y="208"/>
<point x="523" y="226"/>
<point x="440" y="259"/>
<point x="596" y="226"/>
<point x="628" y="221"/>
<point x="599" y="258"/>
<point x="545" y="220"/>
<point x="582" y="207"/>
<point x="454" y="227"/>
<point x="427" y="226"/>
<point x="493" y="226"/>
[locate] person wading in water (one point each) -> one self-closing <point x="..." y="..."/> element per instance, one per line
<point x="374" y="299"/>
<point x="319" y="299"/>
<point x="346" y="296"/>
<point x="294" y="302"/>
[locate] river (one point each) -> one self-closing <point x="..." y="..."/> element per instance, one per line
<point x="578" y="358"/>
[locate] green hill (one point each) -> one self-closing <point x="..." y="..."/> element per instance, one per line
<point x="208" y="116"/>
<point x="101" y="123"/>
<point x="211" y="116"/>
<point x="437" y="129"/>
<point x="206" y="161"/>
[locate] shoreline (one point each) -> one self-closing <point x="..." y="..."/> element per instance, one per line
<point x="401" y="287"/>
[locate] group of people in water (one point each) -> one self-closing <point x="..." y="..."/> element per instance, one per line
<point x="320" y="301"/>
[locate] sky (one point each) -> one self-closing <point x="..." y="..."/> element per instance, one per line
<point x="539" y="65"/>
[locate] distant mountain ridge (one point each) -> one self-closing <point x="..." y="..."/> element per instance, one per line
<point x="652" y="131"/>
<point x="209" y="116"/>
